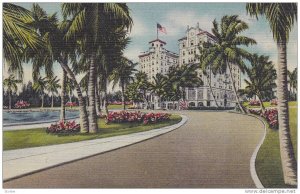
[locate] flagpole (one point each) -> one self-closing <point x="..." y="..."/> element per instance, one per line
<point x="156" y="32"/>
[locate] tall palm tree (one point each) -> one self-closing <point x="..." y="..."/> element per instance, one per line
<point x="261" y="78"/>
<point x="281" y="17"/>
<point x="11" y="84"/>
<point x="292" y="79"/>
<point x="88" y="21"/>
<point x="226" y="50"/>
<point x="52" y="86"/>
<point x="57" y="49"/>
<point x="18" y="34"/>
<point x="206" y="69"/>
<point x="40" y="86"/>
<point x="123" y="74"/>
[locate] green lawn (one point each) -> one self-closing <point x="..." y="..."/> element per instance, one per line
<point x="268" y="104"/>
<point x="38" y="137"/>
<point x="268" y="163"/>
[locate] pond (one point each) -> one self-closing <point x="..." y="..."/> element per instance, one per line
<point x="23" y="118"/>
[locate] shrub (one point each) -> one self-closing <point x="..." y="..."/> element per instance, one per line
<point x="271" y="116"/>
<point x="139" y="117"/>
<point x="71" y="104"/>
<point x="22" y="104"/>
<point x="63" y="127"/>
<point x="254" y="103"/>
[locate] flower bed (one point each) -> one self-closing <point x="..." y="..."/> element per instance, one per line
<point x="271" y="116"/>
<point x="119" y="103"/>
<point x="22" y="104"/>
<point x="254" y="103"/>
<point x="71" y="104"/>
<point x="63" y="127"/>
<point x="145" y="118"/>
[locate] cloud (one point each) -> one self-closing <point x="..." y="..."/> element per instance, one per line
<point x="176" y="21"/>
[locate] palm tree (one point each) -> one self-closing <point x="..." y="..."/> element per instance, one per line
<point x="206" y="67"/>
<point x="292" y="79"/>
<point x="11" y="84"/>
<point x="123" y="74"/>
<point x="40" y="86"/>
<point x="57" y="49"/>
<point x="158" y="86"/>
<point x="142" y="85"/>
<point x="52" y="86"/>
<point x="262" y="76"/>
<point x="88" y="22"/>
<point x="18" y="35"/>
<point x="281" y="17"/>
<point x="226" y="50"/>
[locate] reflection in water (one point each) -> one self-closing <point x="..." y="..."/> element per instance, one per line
<point x="31" y="117"/>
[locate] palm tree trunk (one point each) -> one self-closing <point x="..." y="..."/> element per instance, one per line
<point x="93" y="126"/>
<point x="123" y="96"/>
<point x="105" y="99"/>
<point x="42" y="101"/>
<point x="261" y="104"/>
<point x="288" y="161"/>
<point x="98" y="110"/>
<point x="234" y="89"/>
<point x="9" y="100"/>
<point x="84" y="124"/>
<point x="62" y="96"/>
<point x="52" y="100"/>
<point x="211" y="91"/>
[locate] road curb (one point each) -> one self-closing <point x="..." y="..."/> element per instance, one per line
<point x="253" y="173"/>
<point x="142" y="136"/>
<point x="254" y="176"/>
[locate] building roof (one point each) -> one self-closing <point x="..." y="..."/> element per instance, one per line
<point x="208" y="34"/>
<point x="183" y="38"/>
<point x="144" y="54"/>
<point x="158" y="41"/>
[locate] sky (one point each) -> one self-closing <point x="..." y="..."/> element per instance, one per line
<point x="175" y="17"/>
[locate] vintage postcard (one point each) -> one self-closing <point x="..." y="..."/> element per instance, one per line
<point x="150" y="95"/>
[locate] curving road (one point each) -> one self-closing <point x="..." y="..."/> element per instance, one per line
<point x="212" y="150"/>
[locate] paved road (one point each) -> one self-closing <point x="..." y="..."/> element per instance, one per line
<point x="212" y="150"/>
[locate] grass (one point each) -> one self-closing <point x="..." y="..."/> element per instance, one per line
<point x="268" y="163"/>
<point x="38" y="137"/>
<point x="268" y="104"/>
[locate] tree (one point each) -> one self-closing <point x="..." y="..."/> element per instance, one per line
<point x="281" y="18"/>
<point x="52" y="86"/>
<point x="11" y="84"/>
<point x="40" y="86"/>
<point x="18" y="35"/>
<point x="292" y="79"/>
<point x="261" y="78"/>
<point x="226" y="50"/>
<point x="123" y="74"/>
<point x="88" y="23"/>
<point x="142" y="85"/>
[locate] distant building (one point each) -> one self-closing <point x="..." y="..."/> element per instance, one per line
<point x="157" y="59"/>
<point x="220" y="83"/>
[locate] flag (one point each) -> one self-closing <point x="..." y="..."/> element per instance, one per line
<point x="161" y="29"/>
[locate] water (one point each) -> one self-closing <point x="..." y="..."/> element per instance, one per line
<point x="23" y="118"/>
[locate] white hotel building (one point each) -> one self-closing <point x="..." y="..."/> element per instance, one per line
<point x="160" y="60"/>
<point x="157" y="60"/>
<point x="220" y="83"/>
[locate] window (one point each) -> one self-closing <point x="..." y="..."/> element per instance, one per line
<point x="183" y="45"/>
<point x="152" y="44"/>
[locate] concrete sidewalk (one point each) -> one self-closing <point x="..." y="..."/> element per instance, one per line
<point x="17" y="163"/>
